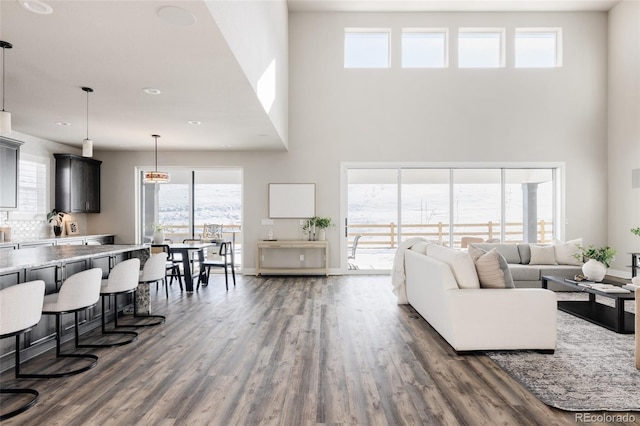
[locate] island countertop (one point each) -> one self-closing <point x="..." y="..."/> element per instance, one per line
<point x="14" y="260"/>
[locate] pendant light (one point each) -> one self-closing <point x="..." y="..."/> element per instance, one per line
<point x="5" y="117"/>
<point x="87" y="144"/>
<point x="156" y="176"/>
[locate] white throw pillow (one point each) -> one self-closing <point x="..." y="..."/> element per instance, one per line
<point x="488" y="266"/>
<point x="565" y="251"/>
<point x="542" y="255"/>
<point x="420" y="247"/>
<point x="460" y="263"/>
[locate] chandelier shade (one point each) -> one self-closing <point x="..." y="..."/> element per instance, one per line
<point x="156" y="176"/>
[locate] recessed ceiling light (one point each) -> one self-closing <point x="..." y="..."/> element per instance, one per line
<point x="63" y="123"/>
<point x="151" y="91"/>
<point x="176" y="16"/>
<point x="36" y="6"/>
<point x="194" y="122"/>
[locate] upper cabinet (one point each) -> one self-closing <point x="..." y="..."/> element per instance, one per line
<point x="9" y="158"/>
<point x="77" y="184"/>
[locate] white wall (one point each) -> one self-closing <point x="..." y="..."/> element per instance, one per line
<point x="449" y="115"/>
<point x="44" y="149"/>
<point x="491" y="115"/>
<point x="624" y="129"/>
<point x="256" y="32"/>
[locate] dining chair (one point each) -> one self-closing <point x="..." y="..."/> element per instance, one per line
<point x="172" y="266"/>
<point x="200" y="253"/>
<point x="352" y="255"/>
<point x="225" y="260"/>
<point x="77" y="293"/>
<point x="212" y="232"/>
<point x="20" y="311"/>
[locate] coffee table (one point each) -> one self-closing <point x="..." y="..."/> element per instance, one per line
<point x="613" y="318"/>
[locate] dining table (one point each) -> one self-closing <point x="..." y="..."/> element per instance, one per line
<point x="185" y="250"/>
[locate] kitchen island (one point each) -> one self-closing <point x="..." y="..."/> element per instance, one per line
<point x="54" y="264"/>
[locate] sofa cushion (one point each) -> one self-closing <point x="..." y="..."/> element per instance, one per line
<point x="492" y="268"/>
<point x="565" y="252"/>
<point x="542" y="255"/>
<point x="508" y="251"/>
<point x="566" y="271"/>
<point x="525" y="253"/>
<point x="460" y="263"/>
<point x="502" y="263"/>
<point x="420" y="247"/>
<point x="525" y="272"/>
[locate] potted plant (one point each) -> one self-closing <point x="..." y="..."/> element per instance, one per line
<point x="56" y="217"/>
<point x="599" y="260"/>
<point x="158" y="233"/>
<point x="636" y="231"/>
<point x="323" y="223"/>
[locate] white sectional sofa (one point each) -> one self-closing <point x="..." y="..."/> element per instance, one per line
<point x="440" y="285"/>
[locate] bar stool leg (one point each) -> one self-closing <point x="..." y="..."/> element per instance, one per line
<point x="133" y="334"/>
<point x="60" y="355"/>
<point x="19" y="391"/>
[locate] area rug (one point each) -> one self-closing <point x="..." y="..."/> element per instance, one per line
<point x="592" y="369"/>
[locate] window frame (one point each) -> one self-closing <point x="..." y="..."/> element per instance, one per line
<point x="364" y="31"/>
<point x="539" y="30"/>
<point x="433" y="30"/>
<point x="501" y="31"/>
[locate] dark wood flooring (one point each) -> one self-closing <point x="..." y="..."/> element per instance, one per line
<point x="285" y="351"/>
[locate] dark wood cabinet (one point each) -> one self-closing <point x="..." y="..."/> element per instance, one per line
<point x="77" y="184"/>
<point x="9" y="160"/>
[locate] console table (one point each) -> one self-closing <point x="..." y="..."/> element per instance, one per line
<point x="293" y="257"/>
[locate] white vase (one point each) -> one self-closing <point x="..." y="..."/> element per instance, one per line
<point x="323" y="234"/>
<point x="594" y="270"/>
<point x="158" y="237"/>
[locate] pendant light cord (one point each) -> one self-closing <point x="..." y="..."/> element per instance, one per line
<point x="156" y="138"/>
<point x="87" y="114"/>
<point x="3" y="78"/>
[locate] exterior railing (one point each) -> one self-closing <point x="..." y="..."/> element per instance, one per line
<point x="386" y="235"/>
<point x="178" y="233"/>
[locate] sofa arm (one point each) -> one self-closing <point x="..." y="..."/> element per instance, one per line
<point x="485" y="319"/>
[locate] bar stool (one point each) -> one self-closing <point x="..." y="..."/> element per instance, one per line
<point x="20" y="311"/>
<point x="78" y="292"/>
<point x="153" y="271"/>
<point x="122" y="279"/>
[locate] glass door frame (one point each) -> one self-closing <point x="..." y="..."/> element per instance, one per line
<point x="558" y="197"/>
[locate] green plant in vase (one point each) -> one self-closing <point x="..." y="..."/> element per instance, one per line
<point x="599" y="261"/>
<point x="323" y="223"/>
<point x="56" y="217"/>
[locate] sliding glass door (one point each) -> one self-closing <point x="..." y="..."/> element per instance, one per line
<point x="449" y="205"/>
<point x="193" y="198"/>
<point x="372" y="218"/>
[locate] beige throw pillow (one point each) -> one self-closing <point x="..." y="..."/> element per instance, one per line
<point x="488" y="267"/>
<point x="565" y="252"/>
<point x="542" y="255"/>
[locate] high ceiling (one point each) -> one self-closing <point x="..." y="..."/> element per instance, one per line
<point x="118" y="48"/>
<point x="449" y="5"/>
